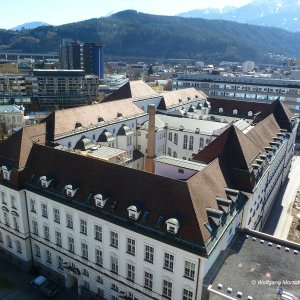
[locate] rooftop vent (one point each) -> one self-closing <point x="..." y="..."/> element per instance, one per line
<point x="133" y="212"/>
<point x="220" y="286"/>
<point x="249" y="298"/>
<point x="215" y="215"/>
<point x="262" y="241"/>
<point x="253" y="238"/>
<point x="179" y="100"/>
<point x="278" y="246"/>
<point x="229" y="290"/>
<point x="99" y="201"/>
<point x="45" y="182"/>
<point x="225" y="204"/>
<point x="119" y="115"/>
<point x="6" y="173"/>
<point x="270" y="244"/>
<point x="239" y="294"/>
<point x="287" y="249"/>
<point x="296" y="252"/>
<point x="232" y="194"/>
<point x="172" y="225"/>
<point x="78" y="125"/>
<point x="100" y="119"/>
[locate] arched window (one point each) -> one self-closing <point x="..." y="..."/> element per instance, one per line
<point x="221" y="110"/>
<point x="175" y="138"/>
<point x="170" y="136"/>
<point x="185" y="140"/>
<point x="191" y="144"/>
<point x="169" y="152"/>
<point x="201" y="143"/>
<point x="174" y="154"/>
<point x="69" y="144"/>
<point x="207" y="141"/>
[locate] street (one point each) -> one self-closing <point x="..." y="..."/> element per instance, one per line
<point x="279" y="220"/>
<point x="15" y="285"/>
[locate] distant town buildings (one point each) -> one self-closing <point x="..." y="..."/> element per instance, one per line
<point x="248" y="66"/>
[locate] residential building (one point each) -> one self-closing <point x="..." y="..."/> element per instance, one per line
<point x="85" y="56"/>
<point x="63" y="88"/>
<point x="248" y="66"/>
<point x="12" y="117"/>
<point x="9" y="67"/>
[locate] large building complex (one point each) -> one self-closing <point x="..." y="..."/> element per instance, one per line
<point x="148" y="226"/>
<point x="85" y="56"/>
<point x="243" y="88"/>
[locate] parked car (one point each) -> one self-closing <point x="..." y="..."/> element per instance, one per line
<point x="45" y="286"/>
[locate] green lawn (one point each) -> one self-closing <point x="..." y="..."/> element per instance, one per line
<point x="5" y="284"/>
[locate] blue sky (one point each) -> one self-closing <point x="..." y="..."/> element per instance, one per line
<point x="58" y="12"/>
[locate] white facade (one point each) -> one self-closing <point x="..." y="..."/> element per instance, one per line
<point x="100" y="278"/>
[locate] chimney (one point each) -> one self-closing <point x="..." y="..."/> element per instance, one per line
<point x="149" y="163"/>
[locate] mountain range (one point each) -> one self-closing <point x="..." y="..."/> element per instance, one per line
<point x="138" y="35"/>
<point x="30" y="25"/>
<point x="284" y="14"/>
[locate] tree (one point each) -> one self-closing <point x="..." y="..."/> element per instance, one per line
<point x="150" y="70"/>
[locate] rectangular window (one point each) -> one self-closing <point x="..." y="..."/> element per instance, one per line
<point x="167" y="289"/>
<point x="16" y="223"/>
<point x="3" y="198"/>
<point x="6" y="218"/>
<point x="131" y="246"/>
<point x="32" y="206"/>
<point x="44" y="211"/>
<point x="114" y="264"/>
<point x="189" y="270"/>
<point x="48" y="257"/>
<point x="98" y="257"/>
<point x="35" y="227"/>
<point x="56" y="215"/>
<point x="69" y="221"/>
<point x="9" y="242"/>
<point x="98" y="232"/>
<point x="60" y="262"/>
<point x="37" y="251"/>
<point x="13" y="202"/>
<point x="187" y="295"/>
<point x="1" y="238"/>
<point x="130" y="272"/>
<point x="46" y="233"/>
<point x="19" y="247"/>
<point x="71" y="244"/>
<point x="149" y="253"/>
<point x="83" y="226"/>
<point x="114" y="239"/>
<point x="84" y="251"/>
<point x="169" y="261"/>
<point x="86" y="285"/>
<point x="148" y="280"/>
<point x="58" y="238"/>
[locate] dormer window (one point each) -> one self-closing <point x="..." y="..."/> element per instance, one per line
<point x="99" y="201"/>
<point x="70" y="191"/>
<point x="172" y="225"/>
<point x="44" y="182"/>
<point x="6" y="173"/>
<point x="221" y="110"/>
<point x="133" y="212"/>
<point x="235" y="112"/>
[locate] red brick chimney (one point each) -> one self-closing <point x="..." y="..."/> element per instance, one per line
<point x="149" y="163"/>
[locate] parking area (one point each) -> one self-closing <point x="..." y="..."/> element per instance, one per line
<point x="15" y="285"/>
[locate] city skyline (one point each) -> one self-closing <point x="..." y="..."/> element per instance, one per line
<point x="33" y="10"/>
